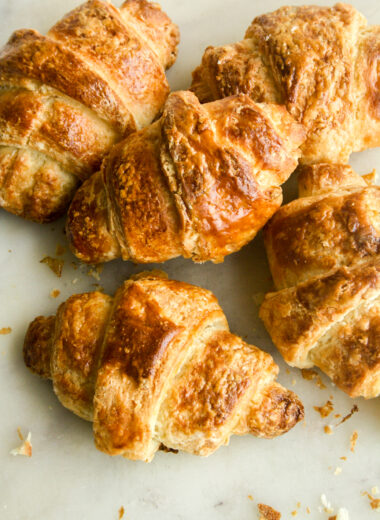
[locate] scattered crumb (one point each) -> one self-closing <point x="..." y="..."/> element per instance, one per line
<point x="298" y="504"/>
<point x="9" y="250"/>
<point x="59" y="250"/>
<point x="121" y="512"/>
<point x="324" y="410"/>
<point x="373" y="502"/>
<point x="326" y="505"/>
<point x="268" y="513"/>
<point x="342" y="514"/>
<point x="337" y="416"/>
<point x="294" y="382"/>
<point x="343" y="458"/>
<point x="55" y="264"/>
<point x="95" y="271"/>
<point x="308" y="510"/>
<point x="353" y="441"/>
<point x="332" y="517"/>
<point x="338" y="470"/>
<point x="328" y="430"/>
<point x="311" y="374"/>
<point x="294" y="513"/>
<point x="74" y="281"/>
<point x="250" y="497"/>
<point x="55" y="293"/>
<point x="287" y="371"/>
<point x="258" y="298"/>
<point x="6" y="330"/>
<point x="354" y="409"/>
<point x="375" y="490"/>
<point x="26" y="446"/>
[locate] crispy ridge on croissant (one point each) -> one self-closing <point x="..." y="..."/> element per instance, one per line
<point x="156" y="365"/>
<point x="324" y="255"/>
<point x="67" y="97"/>
<point x="322" y="63"/>
<point x="199" y="182"/>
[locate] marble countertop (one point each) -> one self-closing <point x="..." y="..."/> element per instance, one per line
<point x="67" y="478"/>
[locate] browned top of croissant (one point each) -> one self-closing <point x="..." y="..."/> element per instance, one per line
<point x="66" y="97"/>
<point x="321" y="62"/>
<point x="200" y="182"/>
<point x="324" y="254"/>
<point x="156" y="365"/>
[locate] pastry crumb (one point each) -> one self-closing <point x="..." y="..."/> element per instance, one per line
<point x="5" y="330"/>
<point x="324" y="410"/>
<point x="327" y="429"/>
<point x="74" y="281"/>
<point x="343" y="458"/>
<point x="55" y="293"/>
<point x="310" y="374"/>
<point x="55" y="264"/>
<point x="353" y="441"/>
<point x="294" y="513"/>
<point x="268" y="513"/>
<point x="95" y="271"/>
<point x="373" y="502"/>
<point x="250" y="497"/>
<point x="326" y="505"/>
<point x="308" y="510"/>
<point x="121" y="512"/>
<point x="354" y="409"/>
<point x="338" y="470"/>
<point x="26" y="447"/>
<point x="375" y="490"/>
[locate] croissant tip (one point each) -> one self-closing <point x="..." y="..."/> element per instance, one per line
<point x="36" y="350"/>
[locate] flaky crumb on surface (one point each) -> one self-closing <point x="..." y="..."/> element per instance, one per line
<point x="353" y="440"/>
<point x="354" y="409"/>
<point x="324" y="410"/>
<point x="312" y="375"/>
<point x="55" y="293"/>
<point x="268" y="513"/>
<point x="55" y="264"/>
<point x="327" y="429"/>
<point x="373" y="502"/>
<point x="121" y="512"/>
<point x="5" y="330"/>
<point x="26" y="447"/>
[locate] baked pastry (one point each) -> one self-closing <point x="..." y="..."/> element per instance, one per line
<point x="199" y="182"/>
<point x="156" y="365"/>
<point x="324" y="255"/>
<point x="67" y="97"/>
<point x="322" y="63"/>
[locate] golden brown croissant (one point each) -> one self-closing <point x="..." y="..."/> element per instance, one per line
<point x="200" y="182"/>
<point x="156" y="365"/>
<point x="324" y="255"/>
<point x="321" y="62"/>
<point x="67" y="97"/>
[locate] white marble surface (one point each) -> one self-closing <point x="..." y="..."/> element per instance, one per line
<point x="67" y="478"/>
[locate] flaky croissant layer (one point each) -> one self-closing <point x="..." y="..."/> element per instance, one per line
<point x="324" y="255"/>
<point x="199" y="182"/>
<point x="322" y="63"/>
<point x="157" y="366"/>
<point x="67" y="97"/>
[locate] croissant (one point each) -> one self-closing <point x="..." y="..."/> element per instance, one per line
<point x="157" y="366"/>
<point x="199" y="182"/>
<point x="67" y="97"/>
<point x="322" y="63"/>
<point x="324" y="255"/>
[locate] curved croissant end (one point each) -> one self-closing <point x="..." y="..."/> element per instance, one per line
<point x="324" y="255"/>
<point x="67" y="97"/>
<point x="322" y="63"/>
<point x="148" y="374"/>
<point x="200" y="182"/>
